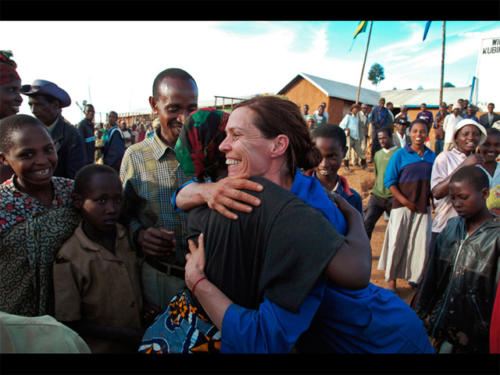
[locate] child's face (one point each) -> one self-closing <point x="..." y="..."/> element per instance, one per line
<point x="490" y="149"/>
<point x="101" y="203"/>
<point x="466" y="200"/>
<point x="332" y="155"/>
<point x="31" y="156"/>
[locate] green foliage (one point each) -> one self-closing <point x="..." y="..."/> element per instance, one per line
<point x="448" y="84"/>
<point x="376" y="74"/>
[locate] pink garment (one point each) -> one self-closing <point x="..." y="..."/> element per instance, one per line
<point x="446" y="162"/>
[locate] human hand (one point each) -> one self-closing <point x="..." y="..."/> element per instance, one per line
<point x="347" y="132"/>
<point x="226" y="193"/>
<point x="473" y="159"/>
<point x="351" y="215"/>
<point x="195" y="262"/>
<point x="156" y="241"/>
<point x="410" y="205"/>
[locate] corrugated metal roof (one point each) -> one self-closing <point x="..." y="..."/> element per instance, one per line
<point x="337" y="89"/>
<point x="429" y="97"/>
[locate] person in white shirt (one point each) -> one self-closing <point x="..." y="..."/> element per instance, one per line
<point x="400" y="138"/>
<point x="324" y="112"/>
<point x="449" y="124"/>
<point x="350" y="124"/>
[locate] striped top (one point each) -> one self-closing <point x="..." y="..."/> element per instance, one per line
<point x="412" y="174"/>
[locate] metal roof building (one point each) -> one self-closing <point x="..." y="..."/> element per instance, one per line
<point x="430" y="97"/>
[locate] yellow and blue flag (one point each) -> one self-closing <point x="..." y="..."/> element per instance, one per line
<point x="361" y="28"/>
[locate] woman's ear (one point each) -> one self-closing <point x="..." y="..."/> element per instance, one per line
<point x="77" y="201"/>
<point x="280" y="145"/>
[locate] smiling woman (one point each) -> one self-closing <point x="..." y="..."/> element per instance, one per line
<point x="35" y="212"/>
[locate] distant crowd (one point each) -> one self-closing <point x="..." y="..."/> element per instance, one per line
<point x="208" y="231"/>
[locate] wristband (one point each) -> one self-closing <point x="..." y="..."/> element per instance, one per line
<point x="196" y="283"/>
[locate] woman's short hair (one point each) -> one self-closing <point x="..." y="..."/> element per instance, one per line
<point x="277" y="116"/>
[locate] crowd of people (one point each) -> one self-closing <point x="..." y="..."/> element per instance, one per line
<point x="235" y="233"/>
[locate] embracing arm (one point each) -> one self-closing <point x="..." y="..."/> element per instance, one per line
<point x="220" y="196"/>
<point x="351" y="266"/>
<point x="270" y="329"/>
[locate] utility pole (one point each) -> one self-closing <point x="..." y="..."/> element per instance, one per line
<point x="364" y="62"/>
<point x="442" y="65"/>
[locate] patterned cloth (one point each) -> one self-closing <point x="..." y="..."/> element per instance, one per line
<point x="187" y="327"/>
<point x="16" y="206"/>
<point x="28" y="252"/>
<point x="8" y="71"/>
<point x="150" y="173"/>
<point x="197" y="148"/>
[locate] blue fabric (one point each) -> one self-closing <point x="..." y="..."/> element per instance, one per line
<point x="379" y="116"/>
<point x="114" y="149"/>
<point x="270" y="329"/>
<point x="371" y="320"/>
<point x="310" y="190"/>
<point x="402" y="158"/>
<point x="174" y="196"/>
<point x="354" y="199"/>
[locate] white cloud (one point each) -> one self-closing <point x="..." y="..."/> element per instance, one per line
<point x="119" y="60"/>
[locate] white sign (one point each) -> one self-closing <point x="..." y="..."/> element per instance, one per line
<point x="488" y="74"/>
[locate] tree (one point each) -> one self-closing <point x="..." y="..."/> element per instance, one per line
<point x="376" y="74"/>
<point x="420" y="88"/>
<point x="448" y="84"/>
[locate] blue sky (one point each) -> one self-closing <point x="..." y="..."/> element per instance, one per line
<point x="113" y="64"/>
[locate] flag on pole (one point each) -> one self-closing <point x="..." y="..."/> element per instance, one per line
<point x="361" y="28"/>
<point x="427" y="25"/>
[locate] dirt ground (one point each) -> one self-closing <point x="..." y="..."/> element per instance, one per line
<point x="362" y="181"/>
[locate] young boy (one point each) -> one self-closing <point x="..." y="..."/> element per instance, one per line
<point x="456" y="299"/>
<point x="96" y="275"/>
<point x="331" y="142"/>
<point x="380" y="198"/>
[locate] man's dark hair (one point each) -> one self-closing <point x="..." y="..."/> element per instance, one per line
<point x="84" y="176"/>
<point x="112" y="112"/>
<point x="493" y="131"/>
<point x="475" y="176"/>
<point x="14" y="123"/>
<point x="385" y="130"/>
<point x="89" y="105"/>
<point x="170" y="73"/>
<point x="330" y="131"/>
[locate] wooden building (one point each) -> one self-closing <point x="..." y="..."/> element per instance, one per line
<point x="312" y="90"/>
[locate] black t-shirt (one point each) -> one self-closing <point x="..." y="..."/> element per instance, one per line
<point x="279" y="250"/>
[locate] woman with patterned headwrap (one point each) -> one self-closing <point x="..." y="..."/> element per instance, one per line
<point x="10" y="97"/>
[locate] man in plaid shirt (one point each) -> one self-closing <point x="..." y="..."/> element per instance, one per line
<point x="150" y="174"/>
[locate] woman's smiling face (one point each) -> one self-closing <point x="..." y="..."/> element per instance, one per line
<point x="246" y="149"/>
